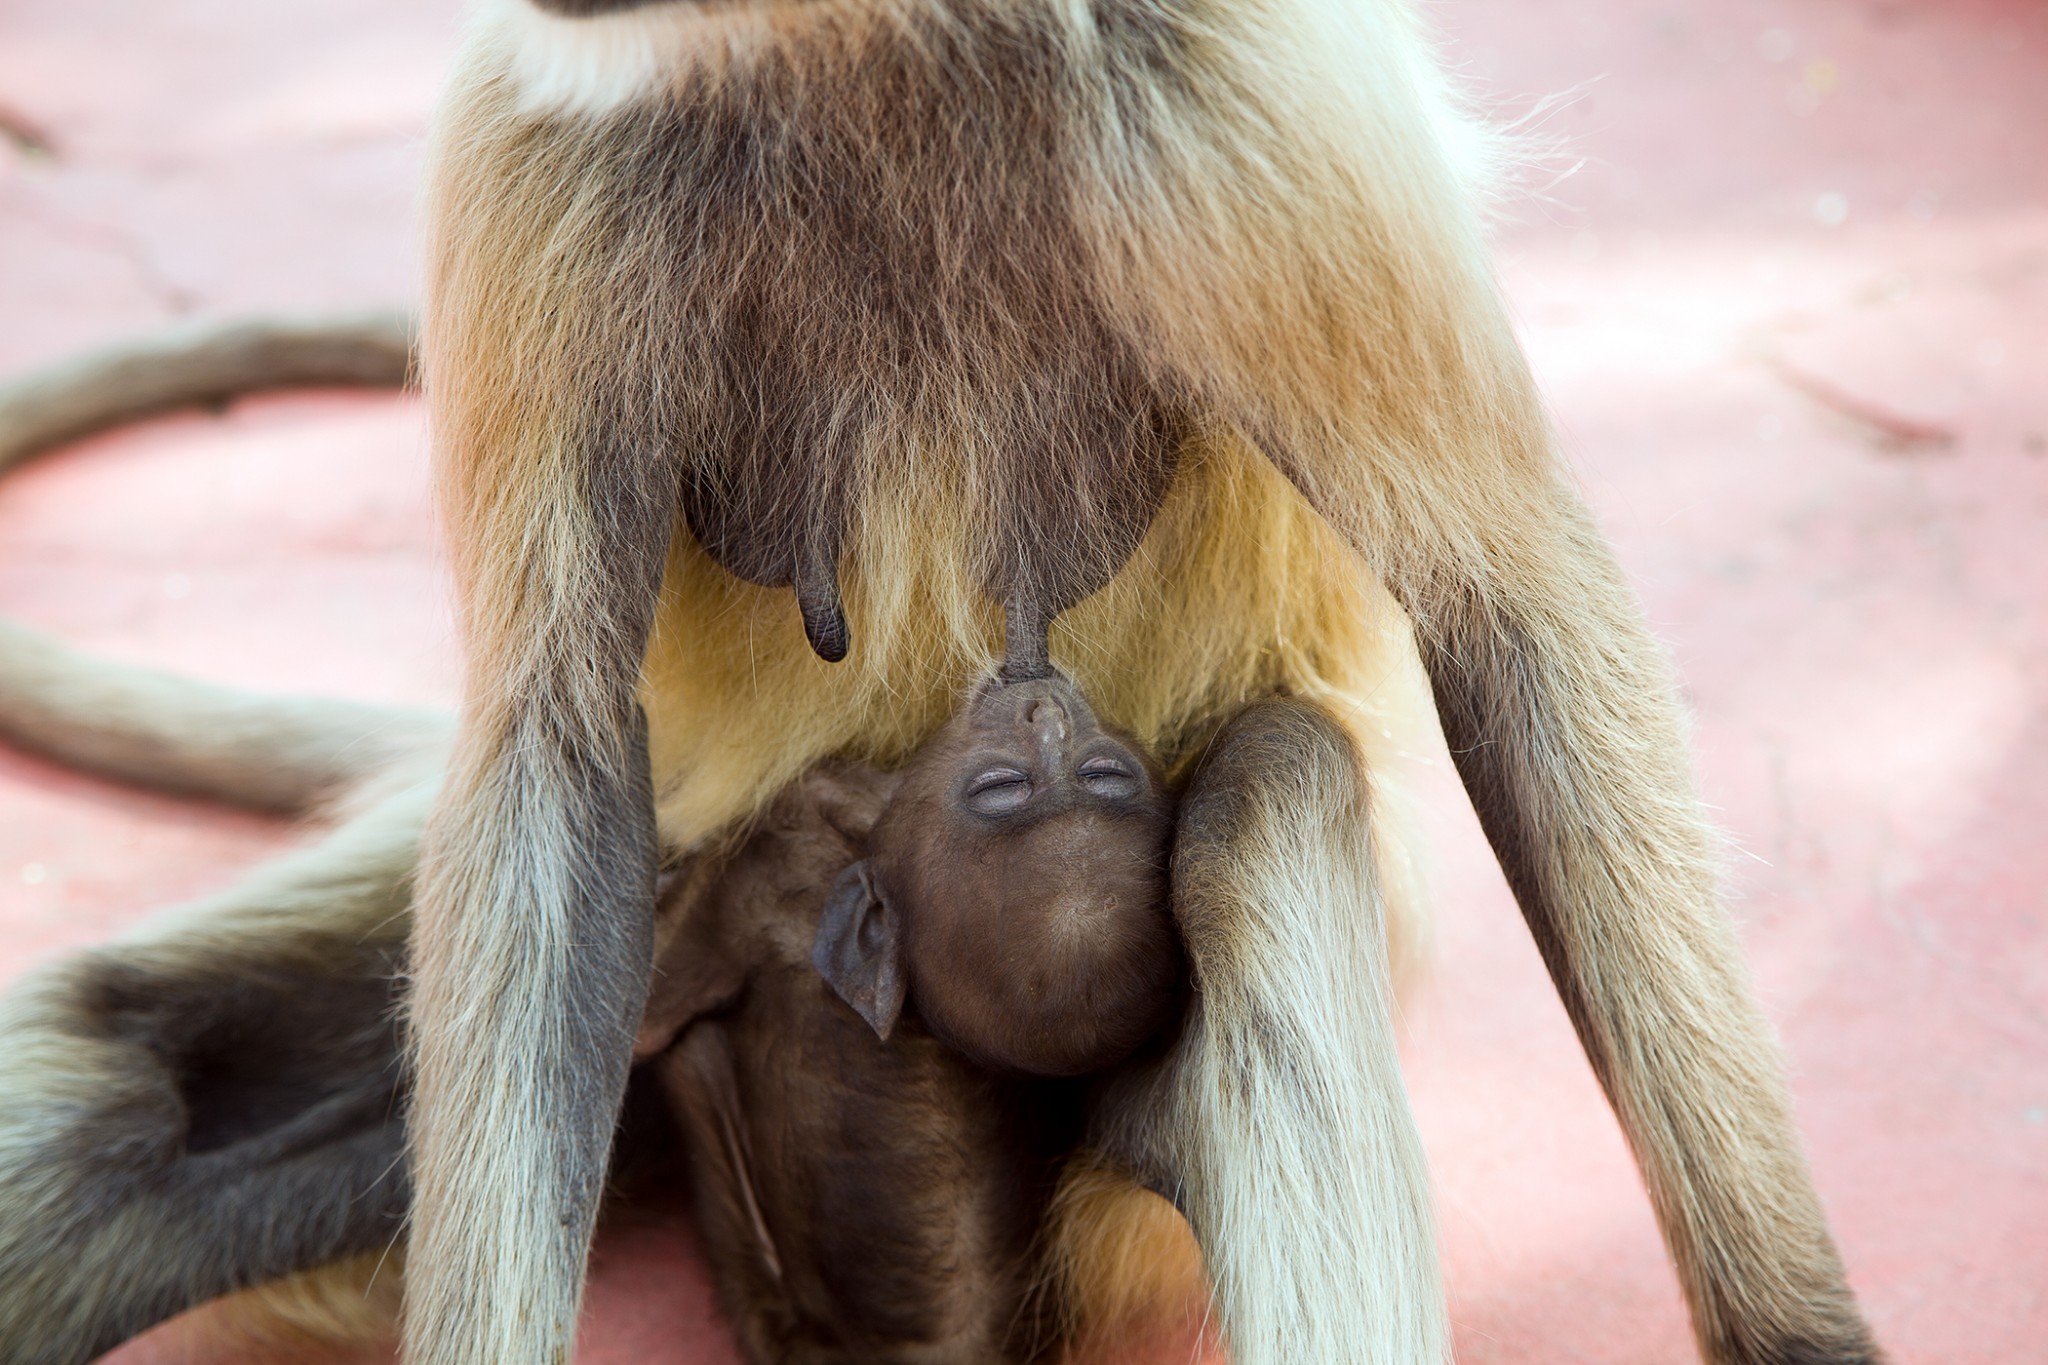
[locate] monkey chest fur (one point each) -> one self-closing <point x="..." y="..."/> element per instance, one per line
<point x="870" y="293"/>
<point x="858" y="318"/>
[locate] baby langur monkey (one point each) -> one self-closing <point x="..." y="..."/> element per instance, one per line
<point x="214" y="1102"/>
<point x="1018" y="887"/>
<point x="871" y="1183"/>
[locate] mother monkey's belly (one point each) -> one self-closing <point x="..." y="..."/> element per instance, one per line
<point x="876" y="318"/>
<point x="904" y="395"/>
<point x="1237" y="590"/>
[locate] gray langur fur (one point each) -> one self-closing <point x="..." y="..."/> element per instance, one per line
<point x="1165" y="322"/>
<point x="210" y="1101"/>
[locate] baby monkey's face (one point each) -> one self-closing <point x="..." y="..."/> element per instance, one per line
<point x="1026" y="851"/>
<point x="1022" y="753"/>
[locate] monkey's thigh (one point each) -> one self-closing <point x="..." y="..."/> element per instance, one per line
<point x="1278" y="1121"/>
<point x="207" y="1105"/>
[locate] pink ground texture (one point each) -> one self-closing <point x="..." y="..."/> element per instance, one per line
<point x="1754" y="240"/>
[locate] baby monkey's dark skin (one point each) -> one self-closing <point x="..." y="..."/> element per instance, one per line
<point x="858" y="1014"/>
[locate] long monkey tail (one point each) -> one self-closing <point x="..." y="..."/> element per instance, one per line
<point x="287" y="755"/>
<point x="194" y="366"/>
<point x="153" y="729"/>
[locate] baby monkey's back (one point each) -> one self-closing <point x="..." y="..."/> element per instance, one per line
<point x="848" y="1008"/>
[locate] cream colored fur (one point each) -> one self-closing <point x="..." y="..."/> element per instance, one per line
<point x="1284" y="1090"/>
<point x="592" y="65"/>
<point x="1286" y="221"/>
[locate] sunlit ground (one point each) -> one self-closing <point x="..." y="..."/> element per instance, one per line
<point x="1783" y="270"/>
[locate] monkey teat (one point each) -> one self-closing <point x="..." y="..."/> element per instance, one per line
<point x="1016" y="890"/>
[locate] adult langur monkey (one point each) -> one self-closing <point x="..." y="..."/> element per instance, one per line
<point x="212" y="1100"/>
<point x="924" y="310"/>
<point x="1166" y="320"/>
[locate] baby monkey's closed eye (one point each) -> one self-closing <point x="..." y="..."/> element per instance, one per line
<point x="1104" y="776"/>
<point x="998" y="791"/>
<point x="1015" y="891"/>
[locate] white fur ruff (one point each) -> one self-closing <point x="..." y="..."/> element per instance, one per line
<point x="596" y="64"/>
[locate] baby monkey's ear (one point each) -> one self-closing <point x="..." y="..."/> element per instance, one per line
<point x="859" y="949"/>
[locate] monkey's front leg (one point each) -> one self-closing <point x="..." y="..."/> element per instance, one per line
<point x="1279" y="1123"/>
<point x="533" y="927"/>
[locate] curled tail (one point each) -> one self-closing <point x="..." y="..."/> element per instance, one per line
<point x="196" y="365"/>
<point x="152" y="729"/>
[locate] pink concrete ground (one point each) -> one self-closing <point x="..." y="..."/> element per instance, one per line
<point x="1790" y="303"/>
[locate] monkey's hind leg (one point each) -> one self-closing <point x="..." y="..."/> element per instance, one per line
<point x="1278" y="1122"/>
<point x="211" y="1102"/>
<point x="1561" y="715"/>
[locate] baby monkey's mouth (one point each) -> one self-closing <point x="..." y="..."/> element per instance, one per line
<point x="1004" y="677"/>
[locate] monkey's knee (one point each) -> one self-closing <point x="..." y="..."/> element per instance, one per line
<point x="1277" y="762"/>
<point x="1273" y="828"/>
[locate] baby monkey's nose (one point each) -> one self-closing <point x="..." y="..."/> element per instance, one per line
<point x="1047" y="719"/>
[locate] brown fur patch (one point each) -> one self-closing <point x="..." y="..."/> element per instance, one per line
<point x="1066" y="257"/>
<point x="351" y="1305"/>
<point x="860" y="1200"/>
<point x="1121" y="1260"/>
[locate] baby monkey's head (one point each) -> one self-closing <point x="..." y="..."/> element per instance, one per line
<point x="1016" y="889"/>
